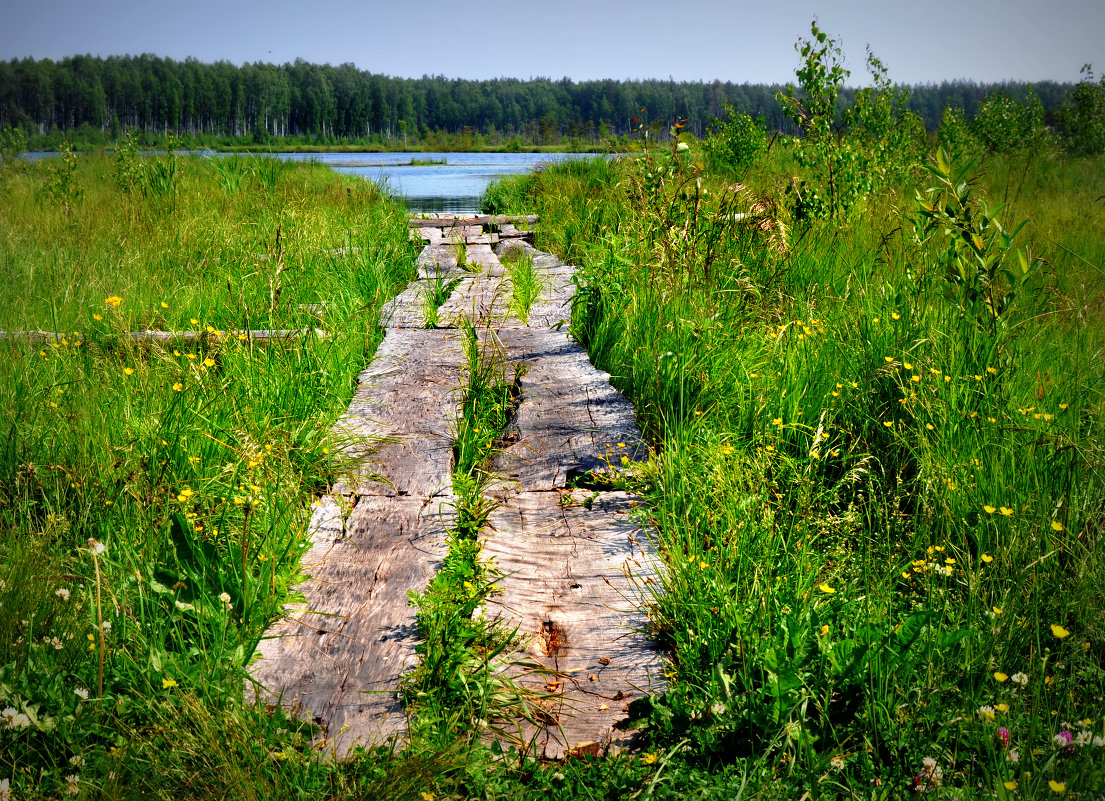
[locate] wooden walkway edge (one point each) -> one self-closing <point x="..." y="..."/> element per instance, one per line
<point x="575" y="565"/>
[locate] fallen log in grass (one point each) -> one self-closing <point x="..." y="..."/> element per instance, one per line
<point x="484" y="219"/>
<point x="260" y="337"/>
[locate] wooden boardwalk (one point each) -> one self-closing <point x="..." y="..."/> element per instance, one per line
<point x="573" y="560"/>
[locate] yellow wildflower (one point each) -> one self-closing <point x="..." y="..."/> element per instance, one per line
<point x="1059" y="631"/>
<point x="999" y="677"/>
<point x="113" y="301"/>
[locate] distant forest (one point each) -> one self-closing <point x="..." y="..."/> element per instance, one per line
<point x="99" y="98"/>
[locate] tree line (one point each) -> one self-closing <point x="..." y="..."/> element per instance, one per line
<point x="147" y="94"/>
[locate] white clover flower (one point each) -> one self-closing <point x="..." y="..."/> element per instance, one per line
<point x="62" y="593"/>
<point x="1013" y="756"/>
<point x="82" y="692"/>
<point x="107" y="626"/>
<point x="76" y="760"/>
<point x="682" y="146"/>
<point x="71" y="786"/>
<point x="1099" y="741"/>
<point x="986" y="712"/>
<point x="5" y="789"/>
<point x="1020" y="679"/>
<point x="837" y="762"/>
<point x="21" y="721"/>
<point x="8" y="715"/>
<point x="1082" y="738"/>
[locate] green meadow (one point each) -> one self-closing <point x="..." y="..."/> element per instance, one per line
<point x="868" y="366"/>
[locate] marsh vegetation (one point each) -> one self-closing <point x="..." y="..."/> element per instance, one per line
<point x="869" y="370"/>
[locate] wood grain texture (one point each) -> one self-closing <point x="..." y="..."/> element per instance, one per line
<point x="574" y="580"/>
<point x="482" y="299"/>
<point x="338" y="657"/>
<point x="408" y="397"/>
<point x="569" y="419"/>
<point x="436" y="259"/>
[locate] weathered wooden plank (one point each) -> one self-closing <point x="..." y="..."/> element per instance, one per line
<point x="575" y="577"/>
<point x="430" y="235"/>
<point x="569" y="419"/>
<point x="513" y="248"/>
<point x="408" y="396"/>
<point x="408" y="308"/>
<point x="481" y="299"/>
<point x="440" y="259"/>
<point x="481" y="255"/>
<point x="339" y="656"/>
<point x="478" y="220"/>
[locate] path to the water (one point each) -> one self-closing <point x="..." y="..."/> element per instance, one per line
<point x="574" y="562"/>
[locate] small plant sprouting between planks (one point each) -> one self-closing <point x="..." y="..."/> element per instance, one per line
<point x="435" y="291"/>
<point x="458" y="690"/>
<point x="526" y="284"/>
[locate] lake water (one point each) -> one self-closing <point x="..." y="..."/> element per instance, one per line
<point x="455" y="186"/>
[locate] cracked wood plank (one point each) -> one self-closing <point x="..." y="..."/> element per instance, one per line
<point x="408" y="398"/>
<point x="575" y="577"/>
<point x="570" y="418"/>
<point x="339" y="656"/>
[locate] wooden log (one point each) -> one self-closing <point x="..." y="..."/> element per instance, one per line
<point x="478" y="220"/>
<point x="260" y="337"/>
<point x="575" y="577"/>
<point x="570" y="419"/>
<point x="339" y="656"/>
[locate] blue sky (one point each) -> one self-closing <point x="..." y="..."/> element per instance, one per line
<point x="928" y="41"/>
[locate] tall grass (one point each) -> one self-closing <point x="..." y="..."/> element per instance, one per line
<point x="154" y="499"/>
<point x="877" y="490"/>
